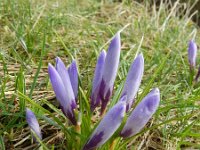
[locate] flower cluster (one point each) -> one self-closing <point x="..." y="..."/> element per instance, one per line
<point x="65" y="85"/>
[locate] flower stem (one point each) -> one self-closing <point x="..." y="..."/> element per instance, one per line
<point x="198" y="75"/>
<point x="78" y="128"/>
<point x="112" y="146"/>
<point x="191" y="78"/>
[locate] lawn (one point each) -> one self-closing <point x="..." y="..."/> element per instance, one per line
<point x="33" y="33"/>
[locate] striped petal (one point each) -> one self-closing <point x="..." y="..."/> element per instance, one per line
<point x="141" y="114"/>
<point x="107" y="127"/>
<point x="33" y="123"/>
<point x="95" y="99"/>
<point x="133" y="80"/>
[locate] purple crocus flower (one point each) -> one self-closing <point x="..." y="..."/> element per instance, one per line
<point x="33" y="123"/>
<point x="73" y="75"/>
<point x="62" y="87"/>
<point x="141" y="114"/>
<point x="107" y="127"/>
<point x="95" y="97"/>
<point x="192" y="54"/>
<point x="133" y="80"/>
<point x="109" y="71"/>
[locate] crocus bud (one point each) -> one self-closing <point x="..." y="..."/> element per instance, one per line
<point x="192" y="54"/>
<point x="33" y="123"/>
<point x="62" y="87"/>
<point x="107" y="127"/>
<point x="141" y="114"/>
<point x="73" y="75"/>
<point x="110" y="70"/>
<point x="95" y="98"/>
<point x="133" y="80"/>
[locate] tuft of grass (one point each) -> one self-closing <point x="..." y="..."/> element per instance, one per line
<point x="34" y="32"/>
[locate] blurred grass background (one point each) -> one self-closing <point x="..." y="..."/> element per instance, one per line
<point x="33" y="33"/>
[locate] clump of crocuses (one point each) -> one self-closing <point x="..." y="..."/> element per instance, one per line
<point x="65" y="85"/>
<point x="111" y="122"/>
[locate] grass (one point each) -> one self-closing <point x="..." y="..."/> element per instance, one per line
<point x="34" y="32"/>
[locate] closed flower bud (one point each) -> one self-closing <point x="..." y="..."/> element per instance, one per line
<point x="192" y="54"/>
<point x="107" y="127"/>
<point x="133" y="80"/>
<point x="141" y="114"/>
<point x="33" y="123"/>
<point x="95" y="97"/>
<point x="110" y="71"/>
<point x="62" y="87"/>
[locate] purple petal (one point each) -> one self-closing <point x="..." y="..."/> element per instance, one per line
<point x="192" y="53"/>
<point x="112" y="62"/>
<point x="95" y="99"/>
<point x="98" y="70"/>
<point x="133" y="80"/>
<point x="141" y="114"/>
<point x="58" y="86"/>
<point x="73" y="75"/>
<point x="111" y="66"/>
<point x="94" y="141"/>
<point x="62" y="96"/>
<point x="33" y="123"/>
<point x="107" y="127"/>
<point x="104" y="98"/>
